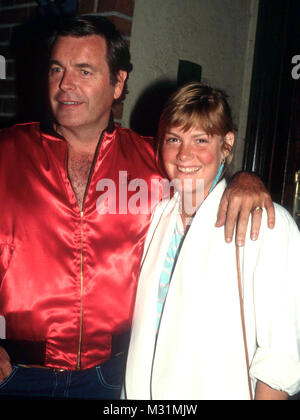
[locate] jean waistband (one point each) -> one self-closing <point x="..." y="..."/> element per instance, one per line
<point x="32" y="353"/>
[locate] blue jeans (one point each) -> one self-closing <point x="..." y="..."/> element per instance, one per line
<point x="102" y="382"/>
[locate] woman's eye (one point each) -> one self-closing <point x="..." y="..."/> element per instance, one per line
<point x="201" y="140"/>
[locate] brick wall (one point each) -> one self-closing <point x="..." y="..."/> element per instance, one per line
<point x="14" y="13"/>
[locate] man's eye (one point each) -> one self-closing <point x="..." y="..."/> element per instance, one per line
<point x="171" y="140"/>
<point x="85" y="72"/>
<point x="55" y="69"/>
<point x="201" y="140"/>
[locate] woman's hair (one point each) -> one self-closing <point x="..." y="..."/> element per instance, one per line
<point x="200" y="105"/>
<point x="118" y="55"/>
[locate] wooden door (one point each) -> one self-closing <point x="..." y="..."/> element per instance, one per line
<point x="273" y="133"/>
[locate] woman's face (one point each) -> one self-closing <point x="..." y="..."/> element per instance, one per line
<point x="193" y="159"/>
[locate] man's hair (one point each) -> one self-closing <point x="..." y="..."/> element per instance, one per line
<point x="118" y="55"/>
<point x="201" y="105"/>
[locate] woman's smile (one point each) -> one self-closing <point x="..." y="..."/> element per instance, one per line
<point x="188" y="170"/>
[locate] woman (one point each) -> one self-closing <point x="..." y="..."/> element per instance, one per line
<point x="195" y="330"/>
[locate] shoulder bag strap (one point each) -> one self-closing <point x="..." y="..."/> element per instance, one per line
<point x="243" y="317"/>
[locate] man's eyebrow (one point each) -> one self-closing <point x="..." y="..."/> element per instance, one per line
<point x="51" y="62"/>
<point x="86" y="66"/>
<point x="79" y="65"/>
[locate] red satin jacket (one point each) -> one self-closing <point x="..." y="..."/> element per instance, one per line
<point x="69" y="277"/>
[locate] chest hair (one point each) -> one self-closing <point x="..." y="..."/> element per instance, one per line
<point x="79" y="166"/>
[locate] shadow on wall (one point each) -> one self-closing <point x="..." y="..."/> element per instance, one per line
<point x="28" y="47"/>
<point x="30" y="58"/>
<point x="145" y="115"/>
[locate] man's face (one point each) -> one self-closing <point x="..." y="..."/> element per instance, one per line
<point x="80" y="91"/>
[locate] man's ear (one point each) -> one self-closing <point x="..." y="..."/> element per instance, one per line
<point x="228" y="144"/>
<point x="119" y="86"/>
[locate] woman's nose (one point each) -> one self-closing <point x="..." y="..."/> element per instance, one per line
<point x="185" y="153"/>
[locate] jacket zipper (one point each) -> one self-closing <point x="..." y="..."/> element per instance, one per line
<point x="78" y="366"/>
<point x="81" y="296"/>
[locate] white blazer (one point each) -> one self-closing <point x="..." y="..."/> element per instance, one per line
<point x="199" y="351"/>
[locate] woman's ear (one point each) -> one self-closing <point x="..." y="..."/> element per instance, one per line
<point x="228" y="144"/>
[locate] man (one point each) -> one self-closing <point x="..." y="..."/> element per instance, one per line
<point x="68" y="269"/>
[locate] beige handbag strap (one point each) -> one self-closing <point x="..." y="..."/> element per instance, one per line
<point x="243" y="317"/>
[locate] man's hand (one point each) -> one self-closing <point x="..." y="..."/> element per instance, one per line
<point x="244" y="194"/>
<point x="5" y="365"/>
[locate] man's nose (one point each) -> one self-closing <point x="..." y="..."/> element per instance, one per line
<point x="67" y="82"/>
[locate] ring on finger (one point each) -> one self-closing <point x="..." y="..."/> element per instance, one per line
<point x="256" y="209"/>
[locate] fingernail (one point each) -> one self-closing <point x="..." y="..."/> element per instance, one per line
<point x="254" y="236"/>
<point x="228" y="240"/>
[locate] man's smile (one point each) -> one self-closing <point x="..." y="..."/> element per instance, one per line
<point x="70" y="103"/>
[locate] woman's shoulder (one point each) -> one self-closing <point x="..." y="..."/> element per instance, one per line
<point x="166" y="205"/>
<point x="283" y="217"/>
<point x="285" y="226"/>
